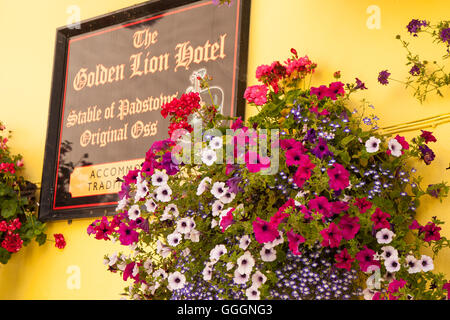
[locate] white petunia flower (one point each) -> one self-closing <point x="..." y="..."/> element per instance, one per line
<point x="209" y="157"/>
<point x="368" y="294"/>
<point x="194" y="235"/>
<point x="230" y="266"/>
<point x="385" y="236"/>
<point x="395" y="147"/>
<point x="159" y="178"/>
<point x="203" y="185"/>
<point x="150" y="205"/>
<point x="171" y="209"/>
<point x="214" y="223"/>
<point x="174" y="239"/>
<point x="217" y="252"/>
<point x="227" y="197"/>
<point x="207" y="273"/>
<point x="268" y="254"/>
<point x="245" y="263"/>
<point x="162" y="249"/>
<point x="426" y="263"/>
<point x="389" y="252"/>
<point x="392" y="264"/>
<point x="217" y="207"/>
<point x="412" y="264"/>
<point x="134" y="212"/>
<point x="258" y="279"/>
<point x="218" y="189"/>
<point x="252" y="293"/>
<point x="185" y="225"/>
<point x="160" y="273"/>
<point x="148" y="265"/>
<point x="240" y="278"/>
<point x="244" y="242"/>
<point x="141" y="190"/>
<point x="122" y="203"/>
<point x="176" y="281"/>
<point x="373" y="145"/>
<point x="163" y="193"/>
<point x="216" y="143"/>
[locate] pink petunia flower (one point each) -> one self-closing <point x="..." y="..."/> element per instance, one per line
<point x="379" y="219"/>
<point x="394" y="287"/>
<point x="349" y="226"/>
<point x="332" y="236"/>
<point x="339" y="177"/>
<point x="362" y="204"/>
<point x="226" y="220"/>
<point x="304" y="171"/>
<point x="255" y="162"/>
<point x="344" y="260"/>
<point x="294" y="240"/>
<point x="264" y="231"/>
<point x="295" y="157"/>
<point x="366" y="259"/>
<point x="321" y="205"/>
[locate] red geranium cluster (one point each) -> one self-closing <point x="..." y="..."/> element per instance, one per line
<point x="295" y="67"/>
<point x="7" y="167"/>
<point x="60" y="242"/>
<point x="180" y="109"/>
<point x="12" y="241"/>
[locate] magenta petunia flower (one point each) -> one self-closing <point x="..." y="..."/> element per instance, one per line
<point x="288" y="144"/>
<point x="338" y="207"/>
<point x="414" y="225"/>
<point x="344" y="260"/>
<point x="128" y="272"/>
<point x="428" y="136"/>
<point x="339" y="177"/>
<point x="349" y="226"/>
<point x="379" y="219"/>
<point x="127" y="235"/>
<point x="304" y="171"/>
<point x="294" y="157"/>
<point x="226" y="220"/>
<point x="321" y="92"/>
<point x="394" y="286"/>
<point x="362" y="204"/>
<point x="255" y="162"/>
<point x="335" y="89"/>
<point x="366" y="259"/>
<point x="281" y="215"/>
<point x="431" y="232"/>
<point x="332" y="236"/>
<point x="294" y="240"/>
<point x="321" y="205"/>
<point x="264" y="231"/>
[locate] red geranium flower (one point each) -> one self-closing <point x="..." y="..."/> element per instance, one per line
<point x="60" y="242"/>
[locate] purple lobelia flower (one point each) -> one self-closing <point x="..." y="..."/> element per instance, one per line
<point x="414" y="26"/>
<point x="383" y="77"/>
<point x="310" y="136"/>
<point x="415" y="70"/>
<point x="444" y="34"/>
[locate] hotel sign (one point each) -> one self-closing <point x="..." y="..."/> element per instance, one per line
<point x="111" y="77"/>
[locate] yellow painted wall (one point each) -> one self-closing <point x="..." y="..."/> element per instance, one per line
<point x="333" y="33"/>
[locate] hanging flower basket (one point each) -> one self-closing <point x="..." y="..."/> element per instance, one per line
<point x="324" y="208"/>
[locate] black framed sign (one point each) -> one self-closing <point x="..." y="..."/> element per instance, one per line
<point x="110" y="78"/>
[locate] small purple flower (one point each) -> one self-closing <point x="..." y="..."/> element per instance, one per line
<point x="415" y="70"/>
<point x="321" y="149"/>
<point x="168" y="164"/>
<point x="427" y="154"/>
<point x="233" y="185"/>
<point x="414" y="26"/>
<point x="310" y="136"/>
<point x="445" y="35"/>
<point x="360" y="85"/>
<point x="383" y="77"/>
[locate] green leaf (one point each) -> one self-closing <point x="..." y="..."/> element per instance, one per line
<point x="9" y="208"/>
<point x="41" y="238"/>
<point x="347" y="140"/>
<point x="4" y="255"/>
